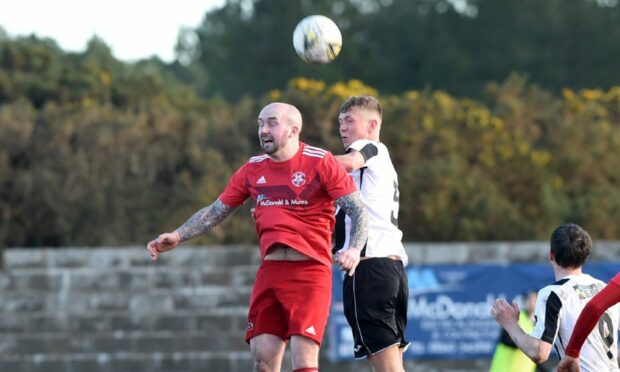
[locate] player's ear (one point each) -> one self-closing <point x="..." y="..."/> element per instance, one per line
<point x="294" y="131"/>
<point x="372" y="125"/>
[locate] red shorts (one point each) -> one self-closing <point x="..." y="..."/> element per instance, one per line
<point x="290" y="298"/>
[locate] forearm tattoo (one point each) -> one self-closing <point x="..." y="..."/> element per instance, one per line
<point x="204" y="220"/>
<point x="354" y="208"/>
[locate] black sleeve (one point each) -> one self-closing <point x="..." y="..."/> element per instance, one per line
<point x="368" y="151"/>
<point x="552" y="312"/>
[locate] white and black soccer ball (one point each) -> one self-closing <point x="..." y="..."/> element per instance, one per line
<point x="317" y="39"/>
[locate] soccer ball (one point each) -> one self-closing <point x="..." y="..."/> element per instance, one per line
<point x="317" y="39"/>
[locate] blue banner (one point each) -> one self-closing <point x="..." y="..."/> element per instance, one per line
<point x="449" y="307"/>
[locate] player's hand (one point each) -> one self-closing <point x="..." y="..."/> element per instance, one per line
<point x="163" y="243"/>
<point x="505" y="313"/>
<point x="348" y="259"/>
<point x="569" y="364"/>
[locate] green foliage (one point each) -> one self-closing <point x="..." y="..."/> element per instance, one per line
<point x="245" y="47"/>
<point x="487" y="171"/>
<point x="110" y="154"/>
<point x="94" y="151"/>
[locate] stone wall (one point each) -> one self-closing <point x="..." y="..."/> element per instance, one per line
<point x="113" y="310"/>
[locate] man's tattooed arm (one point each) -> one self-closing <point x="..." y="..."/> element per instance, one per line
<point x="204" y="220"/>
<point x="354" y="208"/>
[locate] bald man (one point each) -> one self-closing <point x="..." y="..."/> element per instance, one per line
<point x="294" y="186"/>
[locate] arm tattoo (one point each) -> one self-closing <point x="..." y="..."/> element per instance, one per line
<point x="204" y="220"/>
<point x="353" y="206"/>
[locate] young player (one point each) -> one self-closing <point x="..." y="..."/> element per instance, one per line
<point x="376" y="296"/>
<point x="559" y="305"/>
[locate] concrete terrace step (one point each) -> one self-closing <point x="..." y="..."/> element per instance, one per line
<point x="130" y="362"/>
<point x="111" y="342"/>
<point x="204" y="361"/>
<point x="131" y="257"/>
<point x="130" y="280"/>
<point x="221" y="319"/>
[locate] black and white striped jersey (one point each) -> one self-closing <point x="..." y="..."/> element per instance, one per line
<point x="377" y="182"/>
<point x="557" y="308"/>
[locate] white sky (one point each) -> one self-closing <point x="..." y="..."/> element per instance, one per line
<point x="133" y="29"/>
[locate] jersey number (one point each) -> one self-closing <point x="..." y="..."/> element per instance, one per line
<point x="394" y="215"/>
<point x="605" y="329"/>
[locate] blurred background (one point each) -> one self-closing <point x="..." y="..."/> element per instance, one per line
<point x="502" y="118"/>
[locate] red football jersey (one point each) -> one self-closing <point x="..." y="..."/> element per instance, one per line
<point x="294" y="199"/>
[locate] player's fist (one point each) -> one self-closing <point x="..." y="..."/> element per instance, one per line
<point x="348" y="259"/>
<point x="163" y="243"/>
<point x="569" y="364"/>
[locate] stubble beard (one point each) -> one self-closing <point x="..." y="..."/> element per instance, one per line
<point x="269" y="148"/>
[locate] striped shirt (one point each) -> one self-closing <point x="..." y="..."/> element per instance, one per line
<point x="294" y="199"/>
<point x="377" y="182"/>
<point x="557" y="308"/>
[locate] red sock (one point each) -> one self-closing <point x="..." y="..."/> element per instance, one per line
<point x="307" y="369"/>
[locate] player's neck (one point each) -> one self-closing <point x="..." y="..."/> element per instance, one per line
<point x="286" y="153"/>
<point x="561" y="272"/>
